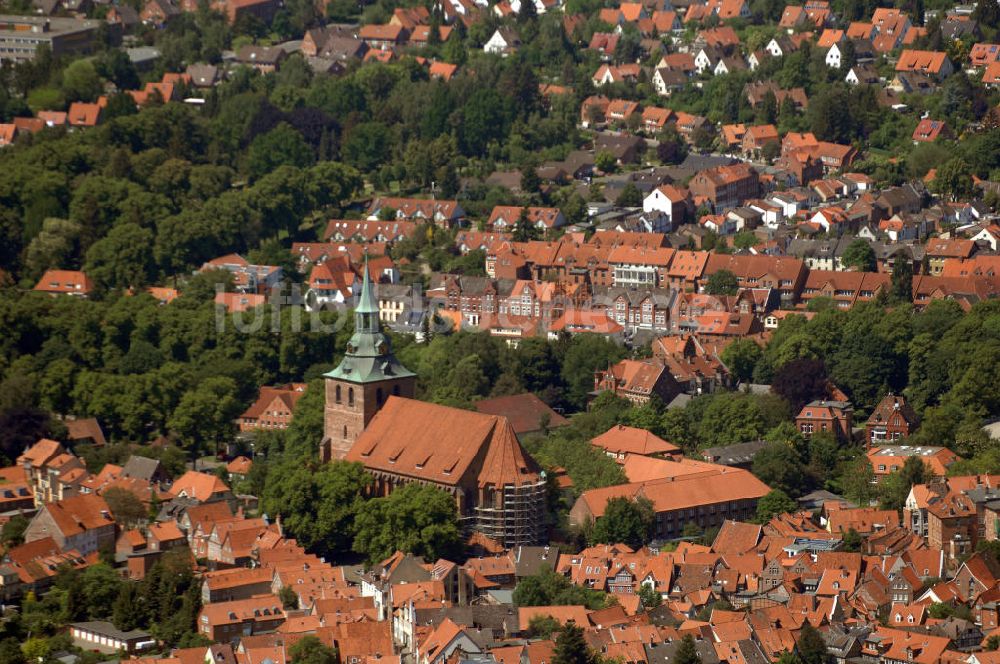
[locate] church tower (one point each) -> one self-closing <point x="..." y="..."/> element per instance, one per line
<point x="367" y="375"/>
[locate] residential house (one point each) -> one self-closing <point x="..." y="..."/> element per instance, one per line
<point x="503" y="42"/>
<point x="928" y="131"/>
<point x="83" y="523"/>
<point x="931" y="63"/>
<point x="273" y="408"/>
<point x="891" y="420"/>
<point x="637" y="381"/>
<point x="835" y="417"/>
<point x="65" y="282"/>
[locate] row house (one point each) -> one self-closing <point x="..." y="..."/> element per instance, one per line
<point x="845" y="289"/>
<point x="891" y="420"/>
<point x="693" y="364"/>
<point x="931" y="63"/>
<point x="505" y="217"/>
<point x="227" y="622"/>
<point x="82" y="523"/>
<point x="785" y="275"/>
<point x="368" y="231"/>
<point x="443" y="213"/>
<point x="952" y="525"/>
<point x="53" y="472"/>
<point x="609" y="74"/>
<point x="65" y="282"/>
<point x="540" y="300"/>
<point x="638" y="267"/>
<point x="474" y="297"/>
<point x="634" y="309"/>
<point x="887" y="459"/>
<point x="835" y="417"/>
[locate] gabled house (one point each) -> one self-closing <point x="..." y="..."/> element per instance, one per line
<point x="928" y="131"/>
<point x="83" y="523"/>
<point x="892" y="419"/>
<point x="503" y="42"/>
<point x="931" y="63"/>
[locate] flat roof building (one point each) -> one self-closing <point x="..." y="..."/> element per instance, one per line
<point x="20" y="36"/>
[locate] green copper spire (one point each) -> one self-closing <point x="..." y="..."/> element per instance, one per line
<point x="366" y="310"/>
<point x="368" y="357"/>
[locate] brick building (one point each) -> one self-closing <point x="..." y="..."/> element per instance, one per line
<point x="637" y="381"/>
<point x="706" y="498"/>
<point x="273" y="408"/>
<point x="835" y="417"/>
<point x="892" y="419"/>
<point x="726" y="187"/>
<point x="951" y="525"/>
<point x="498" y="488"/>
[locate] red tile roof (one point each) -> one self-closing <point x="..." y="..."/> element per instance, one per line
<point x="439" y="444"/>
<point x="64" y="281"/>
<point x="200" y="486"/>
<point x="623" y="439"/>
<point x="523" y="411"/>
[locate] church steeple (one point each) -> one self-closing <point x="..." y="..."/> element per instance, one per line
<point x="366" y="377"/>
<point x="366" y="311"/>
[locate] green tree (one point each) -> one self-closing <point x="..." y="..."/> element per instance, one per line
<point x="318" y="505"/>
<point x="901" y="288"/>
<point x="206" y="413"/>
<point x="671" y="147"/>
<point x="417" y="519"/>
<point x="12" y="533"/>
<point x="742" y="357"/>
<point x="896" y="487"/>
<point x="630" y="196"/>
<point x="127" y="509"/>
<point x="856" y="479"/>
<point x="543" y="627"/>
<point x="571" y="648"/>
<point x="860" y="255"/>
<point x="650" y="597"/>
<point x="282" y="146"/>
<point x="774" y="503"/>
<point x="954" y="179"/>
<point x="605" y="161"/>
<point x="122" y="259"/>
<point x="778" y="466"/>
<point x="586" y="353"/>
<point x="367" y="145"/>
<point x="810" y="646"/>
<point x="852" y="541"/>
<point x="81" y="82"/>
<point x="530" y="182"/>
<point x="551" y="589"/>
<point x="625" y="521"/>
<point x="722" y="282"/>
<point x="126" y="611"/>
<point x="687" y="653"/>
<point x="310" y="650"/>
<point x="524" y="230"/>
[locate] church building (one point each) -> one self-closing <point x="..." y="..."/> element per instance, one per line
<point x="372" y="418"/>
